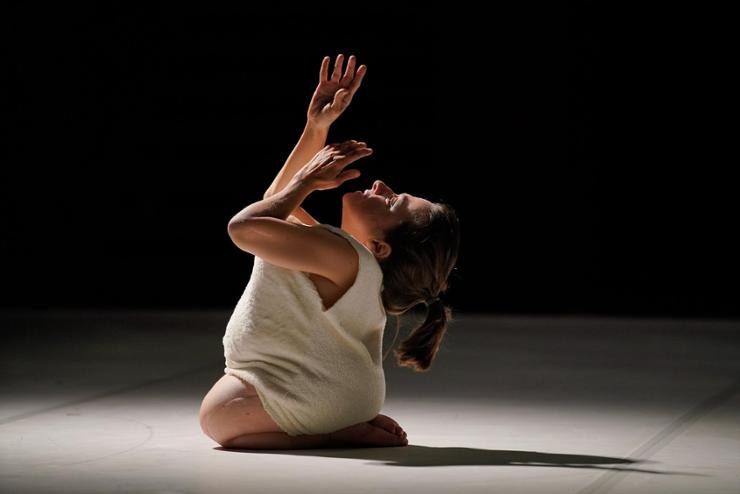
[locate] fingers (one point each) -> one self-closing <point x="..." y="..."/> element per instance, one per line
<point x="349" y="74"/>
<point x="345" y="145"/>
<point x="324" y="72"/>
<point x="348" y="175"/>
<point x="357" y="79"/>
<point x="348" y="151"/>
<point x="351" y="80"/>
<point x="356" y="153"/>
<point x="337" y="68"/>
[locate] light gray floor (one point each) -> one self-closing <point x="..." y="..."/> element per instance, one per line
<point x="95" y="402"/>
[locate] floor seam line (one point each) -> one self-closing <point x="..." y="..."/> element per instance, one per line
<point x="106" y="394"/>
<point x="662" y="438"/>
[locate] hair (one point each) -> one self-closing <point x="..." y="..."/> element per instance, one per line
<point x="423" y="254"/>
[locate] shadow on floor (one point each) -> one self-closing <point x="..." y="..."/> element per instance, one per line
<point x="424" y="456"/>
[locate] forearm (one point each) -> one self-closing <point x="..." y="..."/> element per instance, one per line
<point x="311" y="141"/>
<point x="278" y="205"/>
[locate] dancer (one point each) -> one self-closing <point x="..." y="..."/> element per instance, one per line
<point x="303" y="344"/>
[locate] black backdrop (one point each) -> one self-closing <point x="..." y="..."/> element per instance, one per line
<point x="573" y="143"/>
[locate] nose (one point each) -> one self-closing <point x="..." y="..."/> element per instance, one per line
<point x="379" y="187"/>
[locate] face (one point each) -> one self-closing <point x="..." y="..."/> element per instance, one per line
<point x="367" y="215"/>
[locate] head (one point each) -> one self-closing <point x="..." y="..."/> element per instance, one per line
<point x="416" y="243"/>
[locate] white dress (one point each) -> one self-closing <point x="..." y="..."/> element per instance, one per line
<point x="315" y="371"/>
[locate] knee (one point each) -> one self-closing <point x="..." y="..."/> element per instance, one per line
<point x="204" y="417"/>
<point x="206" y="427"/>
<point x="204" y="424"/>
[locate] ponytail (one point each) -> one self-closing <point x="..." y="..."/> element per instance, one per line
<point x="418" y="350"/>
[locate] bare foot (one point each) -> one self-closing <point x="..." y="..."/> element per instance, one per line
<point x="366" y="434"/>
<point x="387" y="423"/>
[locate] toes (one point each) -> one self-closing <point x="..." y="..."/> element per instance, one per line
<point x="385" y="438"/>
<point x="392" y="421"/>
<point x="367" y="434"/>
<point x="384" y="422"/>
<point x="387" y="423"/>
<point x="397" y="441"/>
<point x="390" y="427"/>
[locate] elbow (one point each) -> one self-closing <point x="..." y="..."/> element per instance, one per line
<point x="239" y="226"/>
<point x="234" y="225"/>
<point x="238" y="233"/>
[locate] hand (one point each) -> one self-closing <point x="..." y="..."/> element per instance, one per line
<point x="325" y="169"/>
<point x="333" y="95"/>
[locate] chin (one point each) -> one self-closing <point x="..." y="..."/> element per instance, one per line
<point x="355" y="193"/>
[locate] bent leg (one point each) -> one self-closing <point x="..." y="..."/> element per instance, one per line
<point x="232" y="415"/>
<point x="278" y="440"/>
<point x="232" y="408"/>
<point x="236" y="417"/>
<point x="362" y="435"/>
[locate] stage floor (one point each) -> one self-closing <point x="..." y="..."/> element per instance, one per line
<point x="107" y="401"/>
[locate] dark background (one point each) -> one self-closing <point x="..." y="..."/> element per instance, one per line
<point x="579" y="147"/>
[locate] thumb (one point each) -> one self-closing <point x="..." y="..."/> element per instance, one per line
<point x="341" y="96"/>
<point x="348" y="175"/>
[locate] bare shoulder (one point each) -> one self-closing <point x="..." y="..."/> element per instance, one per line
<point x="296" y="246"/>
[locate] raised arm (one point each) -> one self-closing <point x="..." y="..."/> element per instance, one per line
<point x="312" y="140"/>
<point x="332" y="96"/>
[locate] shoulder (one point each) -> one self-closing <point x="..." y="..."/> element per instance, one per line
<point x="317" y="249"/>
<point x="342" y="246"/>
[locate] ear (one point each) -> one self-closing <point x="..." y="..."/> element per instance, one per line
<point x="380" y="248"/>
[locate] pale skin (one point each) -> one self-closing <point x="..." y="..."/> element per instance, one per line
<point x="231" y="412"/>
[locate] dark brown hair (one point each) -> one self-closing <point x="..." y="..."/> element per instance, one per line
<point x="423" y="254"/>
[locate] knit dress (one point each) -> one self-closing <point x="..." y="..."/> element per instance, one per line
<point x="315" y="371"/>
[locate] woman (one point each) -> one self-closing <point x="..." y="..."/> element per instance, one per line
<point x="303" y="345"/>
